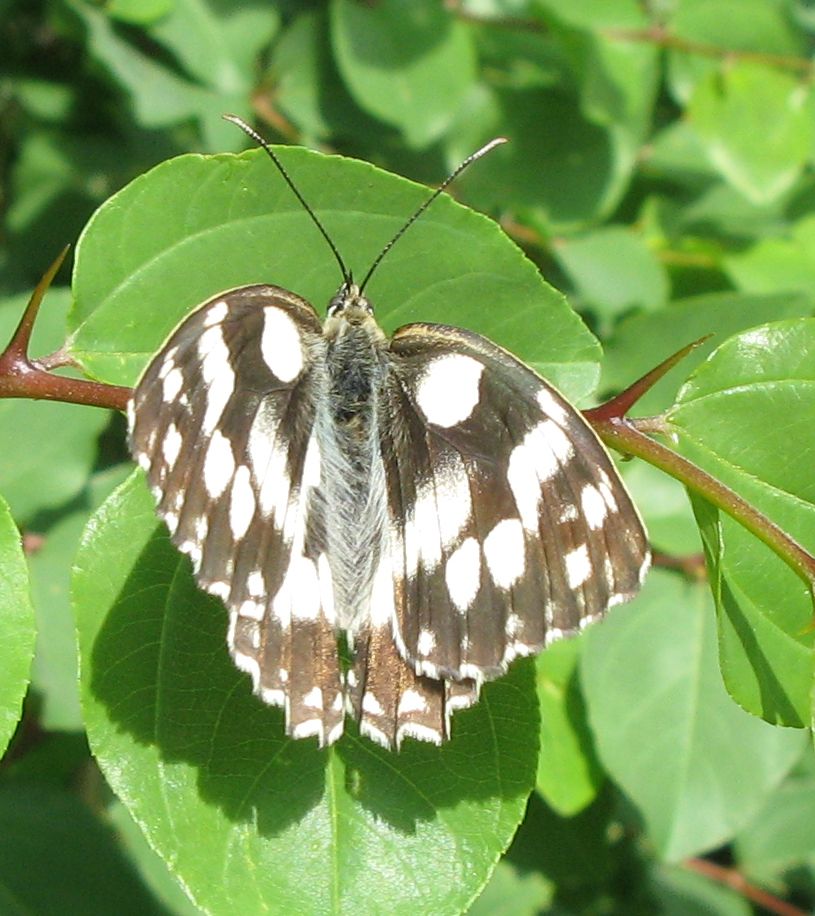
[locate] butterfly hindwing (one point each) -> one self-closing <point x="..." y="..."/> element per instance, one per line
<point x="222" y="422"/>
<point x="512" y="527"/>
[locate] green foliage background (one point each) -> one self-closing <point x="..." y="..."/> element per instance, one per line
<point x="660" y="174"/>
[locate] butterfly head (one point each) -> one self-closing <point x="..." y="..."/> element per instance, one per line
<point x="350" y="303"/>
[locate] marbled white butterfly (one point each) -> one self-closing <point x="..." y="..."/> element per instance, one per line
<point x="428" y="495"/>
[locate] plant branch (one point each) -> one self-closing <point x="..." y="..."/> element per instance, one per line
<point x="24" y="377"/>
<point x="664" y="38"/>
<point x="621" y="434"/>
<point x="628" y="436"/>
<point x="731" y="878"/>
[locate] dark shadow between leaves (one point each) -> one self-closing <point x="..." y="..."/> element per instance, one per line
<point x="161" y="668"/>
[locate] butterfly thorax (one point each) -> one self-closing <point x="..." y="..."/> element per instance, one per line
<point x="353" y="480"/>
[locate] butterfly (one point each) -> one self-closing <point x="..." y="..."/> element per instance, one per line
<point x="426" y="500"/>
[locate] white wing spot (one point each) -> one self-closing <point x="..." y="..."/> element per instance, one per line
<point x="252" y="610"/>
<point x="219" y="465"/>
<point x="411" y="701"/>
<point x="594" y="506"/>
<point x="504" y="552"/>
<point x="314" y="698"/>
<point x="280" y="345"/>
<point x="216" y="313"/>
<point x="169" y="363"/>
<point x="371" y="705"/>
<point x="256" y="584"/>
<point x="217" y="374"/>
<point x="453" y="502"/>
<point x="426" y="643"/>
<point x="299" y="595"/>
<point x="553" y="409"/>
<point x="171" y="446"/>
<point x="462" y="574"/>
<point x="578" y="566"/>
<point x="448" y="391"/>
<point x="242" y="505"/>
<point x="171" y="385"/>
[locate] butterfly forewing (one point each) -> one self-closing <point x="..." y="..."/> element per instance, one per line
<point x="222" y="422"/>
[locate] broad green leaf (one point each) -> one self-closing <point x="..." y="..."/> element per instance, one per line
<point x="195" y="226"/>
<point x="47" y="449"/>
<point x="139" y="12"/>
<point x="679" y="891"/>
<point x="54" y="672"/>
<point x="782" y="263"/>
<point x="56" y="858"/>
<point x="643" y="341"/>
<point x="746" y="416"/>
<point x="205" y="770"/>
<point x="613" y="271"/>
<point x="150" y="866"/>
<point x="618" y="80"/>
<point x="663" y="503"/>
<point x="697" y="767"/>
<point x="17" y="620"/>
<point x="758" y="125"/>
<point x="730" y="25"/>
<point x="782" y="834"/>
<point x="569" y="775"/>
<point x="216" y="55"/>
<point x="514" y="892"/>
<point x="409" y="64"/>
<point x="561" y="179"/>
<point x="308" y="88"/>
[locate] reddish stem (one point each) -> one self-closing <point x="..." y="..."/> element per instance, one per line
<point x="24" y="377"/>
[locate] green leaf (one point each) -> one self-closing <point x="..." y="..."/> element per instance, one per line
<point x="663" y="503"/>
<point x="514" y="892"/>
<point x="57" y="858"/>
<point x="54" y="672"/>
<point x="54" y="445"/>
<point x="643" y="341"/>
<point x="150" y="866"/>
<point x="407" y="62"/>
<point x="308" y="89"/>
<point x="618" y="80"/>
<point x="569" y="775"/>
<point x="560" y="170"/>
<point x="782" y="834"/>
<point x="17" y="616"/>
<point x="730" y="25"/>
<point x="696" y="766"/>
<point x="613" y="271"/>
<point x="215" y="53"/>
<point x="195" y="226"/>
<point x="758" y="125"/>
<point x="745" y="416"/>
<point x="786" y="262"/>
<point x="679" y="891"/>
<point x="205" y="770"/>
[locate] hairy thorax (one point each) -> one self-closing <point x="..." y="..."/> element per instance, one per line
<point x="353" y="482"/>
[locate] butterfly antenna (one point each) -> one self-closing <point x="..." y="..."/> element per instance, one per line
<point x="439" y="190"/>
<point x="251" y="132"/>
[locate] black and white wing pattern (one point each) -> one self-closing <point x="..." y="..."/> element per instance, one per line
<point x="222" y="421"/>
<point x="510" y="525"/>
<point x="429" y="496"/>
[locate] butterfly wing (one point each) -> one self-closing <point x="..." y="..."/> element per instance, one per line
<point x="510" y="526"/>
<point x="222" y="421"/>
